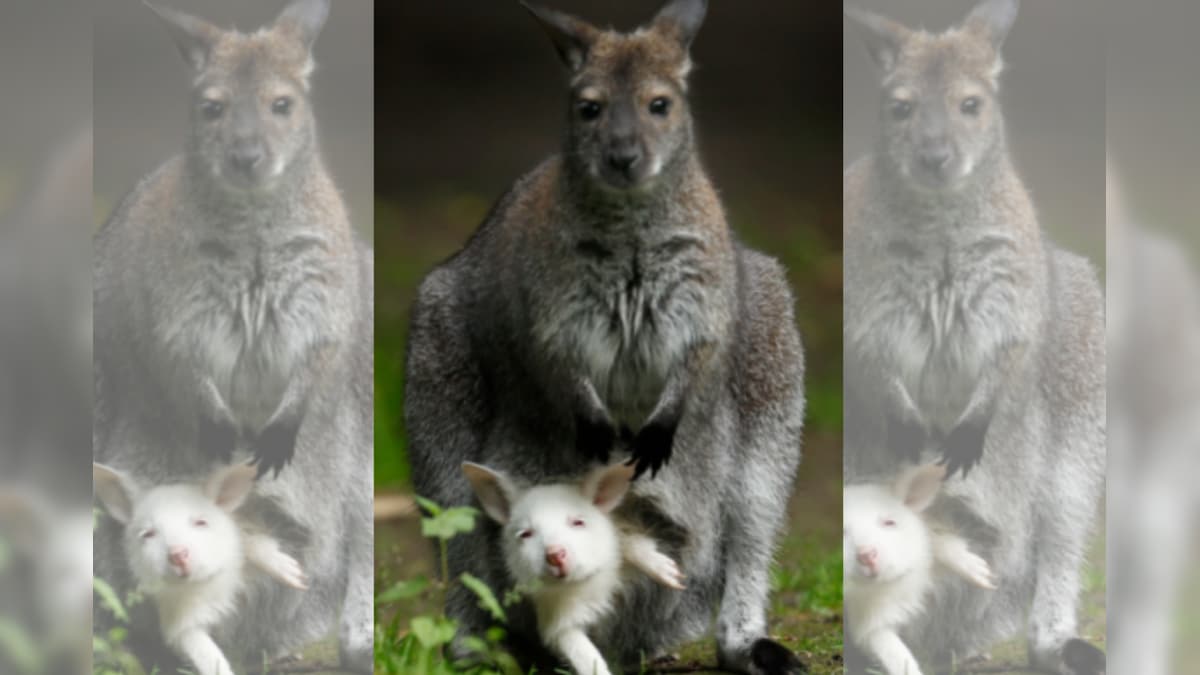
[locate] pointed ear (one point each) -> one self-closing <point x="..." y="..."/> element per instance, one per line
<point x="228" y="487"/>
<point x="607" y="486"/>
<point x="993" y="19"/>
<point x="495" y="491"/>
<point x="115" y="490"/>
<point x="681" y="19"/>
<point x="194" y="37"/>
<point x="884" y="37"/>
<point x="303" y="20"/>
<point x="572" y="37"/>
<point x="918" y="486"/>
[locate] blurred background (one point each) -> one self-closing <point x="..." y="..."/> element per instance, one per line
<point x="1052" y="92"/>
<point x="472" y="95"/>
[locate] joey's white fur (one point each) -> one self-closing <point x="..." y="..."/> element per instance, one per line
<point x="889" y="554"/>
<point x="562" y="546"/>
<point x="188" y="552"/>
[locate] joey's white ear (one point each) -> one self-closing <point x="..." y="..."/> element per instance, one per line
<point x="918" y="486"/>
<point x="194" y="37"/>
<point x="229" y="486"/>
<point x="884" y="37"/>
<point x="115" y="490"/>
<point x="495" y="491"/>
<point x="607" y="486"/>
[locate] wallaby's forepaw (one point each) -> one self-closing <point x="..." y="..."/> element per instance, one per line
<point x="963" y="448"/>
<point x="275" y="447"/>
<point x="977" y="571"/>
<point x="768" y="657"/>
<point x="652" y="447"/>
<point x="905" y="438"/>
<point x="286" y="569"/>
<point x="1082" y="658"/>
<point x="594" y="438"/>
<point x="663" y="569"/>
<point x="217" y="439"/>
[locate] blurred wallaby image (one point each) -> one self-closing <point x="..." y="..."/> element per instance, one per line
<point x="973" y="340"/>
<point x="604" y="310"/>
<point x="233" y="304"/>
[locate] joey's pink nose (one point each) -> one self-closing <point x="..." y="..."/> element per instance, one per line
<point x="556" y="557"/>
<point x="178" y="557"/>
<point x="868" y="556"/>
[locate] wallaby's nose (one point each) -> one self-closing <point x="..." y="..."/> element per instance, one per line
<point x="178" y="557"/>
<point x="936" y="158"/>
<point x="247" y="158"/>
<point x="624" y="160"/>
<point x="867" y="556"/>
<point x="556" y="556"/>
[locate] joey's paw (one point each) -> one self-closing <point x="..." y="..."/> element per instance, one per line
<point x="287" y="570"/>
<point x="768" y="657"/>
<point x="905" y="438"/>
<point x="963" y="448"/>
<point x="652" y="447"/>
<point x="663" y="569"/>
<point x="275" y="447"/>
<point x="977" y="571"/>
<point x="594" y="438"/>
<point x="217" y="439"/>
<point x="1082" y="658"/>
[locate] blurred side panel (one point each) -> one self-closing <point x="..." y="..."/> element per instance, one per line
<point x="1153" y="209"/>
<point x="45" y="336"/>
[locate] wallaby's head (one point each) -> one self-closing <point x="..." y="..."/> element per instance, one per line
<point x="940" y="108"/>
<point x="556" y="533"/>
<point x="179" y="533"/>
<point x="883" y="535"/>
<point x="251" y="113"/>
<point x="628" y="118"/>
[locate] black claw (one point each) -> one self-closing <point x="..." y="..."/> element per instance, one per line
<point x="274" y="448"/>
<point x="963" y="448"/>
<point x="1083" y="658"/>
<point x="771" y="658"/>
<point x="594" y="439"/>
<point x="652" y="448"/>
<point x="217" y="439"/>
<point x="905" y="438"/>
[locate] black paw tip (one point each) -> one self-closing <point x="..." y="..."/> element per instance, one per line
<point x="594" y="439"/>
<point x="652" y="448"/>
<point x="1083" y="658"/>
<point x="274" y="450"/>
<point x="217" y="440"/>
<point x="771" y="658"/>
<point x="905" y="438"/>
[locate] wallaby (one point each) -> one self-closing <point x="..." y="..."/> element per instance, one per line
<point x="605" y="298"/>
<point x="563" y="547"/>
<point x="189" y="553"/>
<point x="968" y="334"/>
<point x="889" y="551"/>
<point x="233" y="306"/>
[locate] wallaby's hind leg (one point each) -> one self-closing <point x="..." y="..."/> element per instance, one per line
<point x="356" y="637"/>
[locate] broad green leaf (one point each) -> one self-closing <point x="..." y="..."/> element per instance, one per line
<point x="487" y="599"/>
<point x="403" y="590"/>
<point x="430" y="506"/>
<point x="433" y="632"/>
<point x="449" y="523"/>
<point x="110" y="599"/>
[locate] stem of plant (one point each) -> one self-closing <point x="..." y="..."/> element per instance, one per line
<point x="445" y="565"/>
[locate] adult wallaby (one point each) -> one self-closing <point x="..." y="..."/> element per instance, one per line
<point x="607" y="279"/>
<point x="969" y="335"/>
<point x="233" y="302"/>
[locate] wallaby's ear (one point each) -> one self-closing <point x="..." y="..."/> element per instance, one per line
<point x="115" y="491"/>
<point x="884" y="37"/>
<point x="993" y="19"/>
<point x="194" y="37"/>
<point x="229" y="486"/>
<point x="572" y="37"/>
<point x="303" y="19"/>
<point x="494" y="490"/>
<point x="681" y="19"/>
<point x="918" y="486"/>
<point x="606" y="486"/>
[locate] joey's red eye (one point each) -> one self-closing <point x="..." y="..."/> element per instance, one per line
<point x="200" y="522"/>
<point x="148" y="534"/>
<point x="525" y="534"/>
<point x="577" y="522"/>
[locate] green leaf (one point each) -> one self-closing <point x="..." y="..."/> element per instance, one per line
<point x="433" y="632"/>
<point x="17" y="645"/>
<point x="403" y="590"/>
<point x="449" y="523"/>
<point x="487" y="599"/>
<point x="430" y="506"/>
<point x="110" y="599"/>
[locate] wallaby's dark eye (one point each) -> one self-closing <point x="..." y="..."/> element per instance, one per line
<point x="900" y="109"/>
<point x="589" y="110"/>
<point x="281" y="105"/>
<point x="970" y="105"/>
<point x="211" y="108"/>
<point x="660" y="106"/>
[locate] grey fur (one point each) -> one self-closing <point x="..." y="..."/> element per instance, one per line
<point x="586" y="291"/>
<point x="960" y="314"/>
<point x="237" y="291"/>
